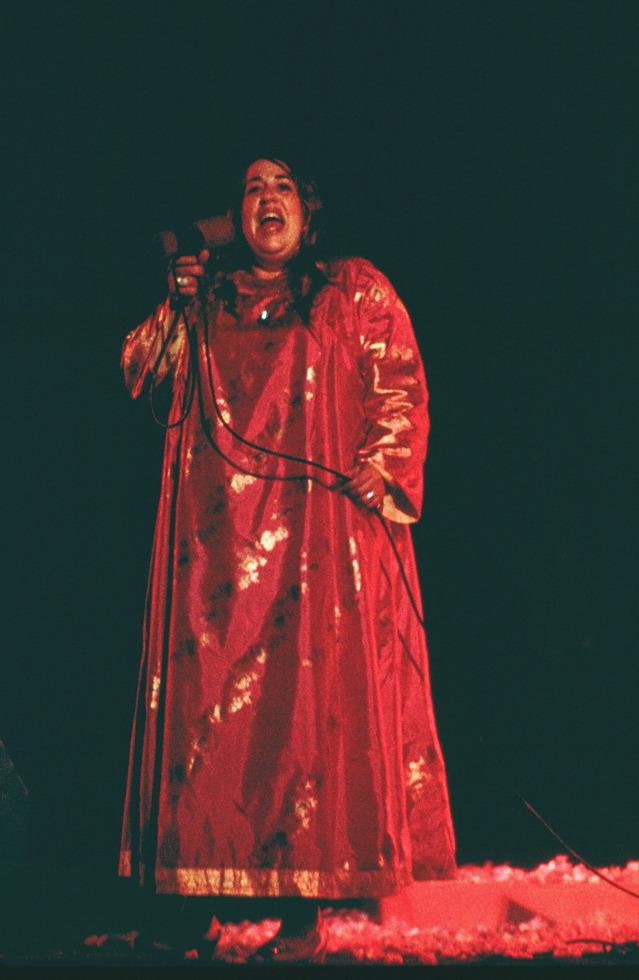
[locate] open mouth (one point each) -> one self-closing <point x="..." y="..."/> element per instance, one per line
<point x="271" y="220"/>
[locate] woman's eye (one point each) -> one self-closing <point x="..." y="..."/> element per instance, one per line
<point x="285" y="186"/>
<point x="251" y="190"/>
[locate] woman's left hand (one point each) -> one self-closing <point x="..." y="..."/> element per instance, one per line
<point x="365" y="486"/>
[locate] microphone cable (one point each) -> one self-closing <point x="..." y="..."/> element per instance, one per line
<point x="194" y="381"/>
<point x="296" y="459"/>
<point x="573" y="852"/>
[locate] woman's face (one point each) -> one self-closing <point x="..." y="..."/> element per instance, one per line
<point x="273" y="220"/>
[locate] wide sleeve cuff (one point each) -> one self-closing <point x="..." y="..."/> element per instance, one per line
<point x="155" y="348"/>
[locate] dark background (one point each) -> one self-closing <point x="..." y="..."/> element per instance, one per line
<point x="482" y="155"/>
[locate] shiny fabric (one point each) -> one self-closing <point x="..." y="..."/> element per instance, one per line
<point x="284" y="740"/>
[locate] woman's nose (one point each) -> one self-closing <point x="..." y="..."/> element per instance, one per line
<point x="268" y="194"/>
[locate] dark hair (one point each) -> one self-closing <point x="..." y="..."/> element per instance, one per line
<point x="305" y="278"/>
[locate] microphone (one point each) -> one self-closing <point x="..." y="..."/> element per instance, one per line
<point x="213" y="232"/>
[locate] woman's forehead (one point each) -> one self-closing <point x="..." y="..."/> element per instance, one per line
<point x="263" y="168"/>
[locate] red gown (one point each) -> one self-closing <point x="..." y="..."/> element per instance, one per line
<point x="284" y="741"/>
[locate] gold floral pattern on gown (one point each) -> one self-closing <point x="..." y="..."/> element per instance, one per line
<point x="284" y="741"/>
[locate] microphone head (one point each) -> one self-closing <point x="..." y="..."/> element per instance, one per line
<point x="218" y="230"/>
<point x="213" y="232"/>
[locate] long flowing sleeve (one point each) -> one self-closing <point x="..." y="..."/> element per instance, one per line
<point x="143" y="345"/>
<point x="396" y="397"/>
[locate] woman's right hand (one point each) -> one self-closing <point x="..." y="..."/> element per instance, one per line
<point x="186" y="273"/>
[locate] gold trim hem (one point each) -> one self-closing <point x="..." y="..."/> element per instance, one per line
<point x="275" y="882"/>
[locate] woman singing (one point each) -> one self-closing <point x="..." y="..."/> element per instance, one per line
<point x="284" y="743"/>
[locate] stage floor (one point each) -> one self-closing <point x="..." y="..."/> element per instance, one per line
<point x="559" y="912"/>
